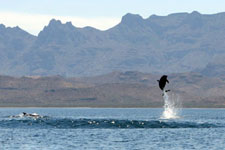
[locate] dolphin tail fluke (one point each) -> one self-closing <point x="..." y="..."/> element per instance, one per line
<point x="167" y="90"/>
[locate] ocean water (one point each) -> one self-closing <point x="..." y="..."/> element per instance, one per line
<point x="111" y="128"/>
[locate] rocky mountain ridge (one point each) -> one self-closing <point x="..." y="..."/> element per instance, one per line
<point x="176" y="43"/>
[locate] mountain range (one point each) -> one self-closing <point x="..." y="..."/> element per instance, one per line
<point x="180" y="42"/>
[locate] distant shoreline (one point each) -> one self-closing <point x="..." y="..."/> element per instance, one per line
<point x="113" y="90"/>
<point x="107" y="107"/>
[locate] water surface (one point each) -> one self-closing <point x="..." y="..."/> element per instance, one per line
<point x="94" y="128"/>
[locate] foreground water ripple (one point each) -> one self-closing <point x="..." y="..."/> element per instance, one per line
<point x="66" y="123"/>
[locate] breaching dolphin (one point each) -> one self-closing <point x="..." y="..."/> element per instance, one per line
<point x="162" y="82"/>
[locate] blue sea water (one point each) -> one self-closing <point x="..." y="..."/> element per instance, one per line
<point x="111" y="128"/>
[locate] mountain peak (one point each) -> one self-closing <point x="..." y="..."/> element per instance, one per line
<point x="69" y="23"/>
<point x="2" y="26"/>
<point x="131" y="18"/>
<point x="195" y="13"/>
<point x="54" y="22"/>
<point x="58" y="24"/>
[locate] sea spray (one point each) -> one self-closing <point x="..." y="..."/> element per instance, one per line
<point x="172" y="106"/>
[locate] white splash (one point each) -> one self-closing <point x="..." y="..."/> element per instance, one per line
<point x="172" y="106"/>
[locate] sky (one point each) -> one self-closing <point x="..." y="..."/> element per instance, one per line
<point x="33" y="15"/>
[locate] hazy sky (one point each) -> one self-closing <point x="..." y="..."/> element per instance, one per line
<point x="33" y="15"/>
